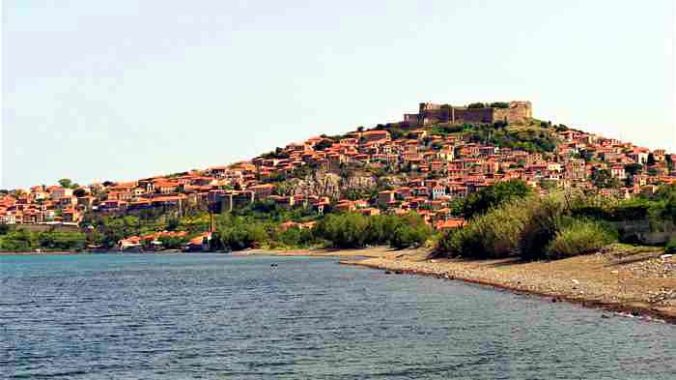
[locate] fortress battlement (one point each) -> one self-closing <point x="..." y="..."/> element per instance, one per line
<point x="514" y="112"/>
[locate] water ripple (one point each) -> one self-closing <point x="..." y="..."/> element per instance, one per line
<point x="212" y="316"/>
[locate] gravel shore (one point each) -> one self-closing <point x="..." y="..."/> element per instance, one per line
<point x="637" y="281"/>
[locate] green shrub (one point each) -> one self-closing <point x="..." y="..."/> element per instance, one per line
<point x="172" y="242"/>
<point x="671" y="246"/>
<point x="412" y="231"/>
<point x="476" y="105"/>
<point x="495" y="234"/>
<point x="530" y="140"/>
<point x="22" y="240"/>
<point x="344" y="230"/>
<point x="352" y="230"/>
<point x="242" y="236"/>
<point x="495" y="195"/>
<point x="531" y="228"/>
<point x="579" y="237"/>
<point x="17" y="241"/>
<point x="547" y="217"/>
<point x="500" y="105"/>
<point x="295" y="237"/>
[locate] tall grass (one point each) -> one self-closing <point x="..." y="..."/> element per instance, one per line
<point x="671" y="245"/>
<point x="531" y="228"/>
<point x="492" y="235"/>
<point x="579" y="237"/>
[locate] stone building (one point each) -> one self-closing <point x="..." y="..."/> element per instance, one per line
<point x="513" y="112"/>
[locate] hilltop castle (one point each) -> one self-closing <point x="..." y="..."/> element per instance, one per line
<point x="512" y="112"/>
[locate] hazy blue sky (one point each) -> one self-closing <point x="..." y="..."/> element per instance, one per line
<point x="98" y="90"/>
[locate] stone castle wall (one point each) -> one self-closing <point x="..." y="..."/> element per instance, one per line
<point x="516" y="112"/>
<point x="473" y="115"/>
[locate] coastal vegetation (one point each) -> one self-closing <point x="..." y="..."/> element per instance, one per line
<point x="352" y="230"/>
<point x="578" y="237"/>
<point x="505" y="220"/>
<point x="336" y="230"/>
<point x="21" y="240"/>
<point x="559" y="225"/>
<point x="671" y="246"/>
<point x="493" y="196"/>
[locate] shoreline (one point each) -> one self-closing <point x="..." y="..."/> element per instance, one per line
<point x="629" y="310"/>
<point x="86" y="252"/>
<point x="590" y="280"/>
<point x="641" y="283"/>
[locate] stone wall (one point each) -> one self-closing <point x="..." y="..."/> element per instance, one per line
<point x="516" y="112"/>
<point x="472" y="115"/>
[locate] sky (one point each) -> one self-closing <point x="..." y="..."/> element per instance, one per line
<point x="120" y="90"/>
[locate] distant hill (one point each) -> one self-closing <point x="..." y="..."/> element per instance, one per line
<point x="425" y="163"/>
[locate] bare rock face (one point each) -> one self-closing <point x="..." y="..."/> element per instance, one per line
<point x="319" y="184"/>
<point x="390" y="182"/>
<point x="358" y="183"/>
<point x="331" y="185"/>
<point x="289" y="187"/>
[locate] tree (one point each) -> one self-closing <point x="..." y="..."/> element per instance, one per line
<point x="492" y="196"/>
<point x="633" y="169"/>
<point x="602" y="179"/>
<point x="500" y="105"/>
<point x="172" y="242"/>
<point x="651" y="159"/>
<point x="323" y="145"/>
<point x="500" y="124"/>
<point x="65" y="183"/>
<point x="411" y="231"/>
<point x="173" y="224"/>
<point x="17" y="240"/>
<point x="344" y="230"/>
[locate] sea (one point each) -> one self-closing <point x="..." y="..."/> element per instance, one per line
<point x="220" y="316"/>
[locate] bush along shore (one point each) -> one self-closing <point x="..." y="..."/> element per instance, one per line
<point x="560" y="225"/>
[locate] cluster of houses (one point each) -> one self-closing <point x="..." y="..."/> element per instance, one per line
<point x="40" y="204"/>
<point x="432" y="170"/>
<point x="153" y="241"/>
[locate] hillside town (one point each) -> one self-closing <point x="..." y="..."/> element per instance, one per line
<point x="422" y="164"/>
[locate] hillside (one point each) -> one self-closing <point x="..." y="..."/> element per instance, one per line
<point x="429" y="164"/>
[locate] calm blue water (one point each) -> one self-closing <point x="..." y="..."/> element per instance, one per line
<point x="215" y="316"/>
